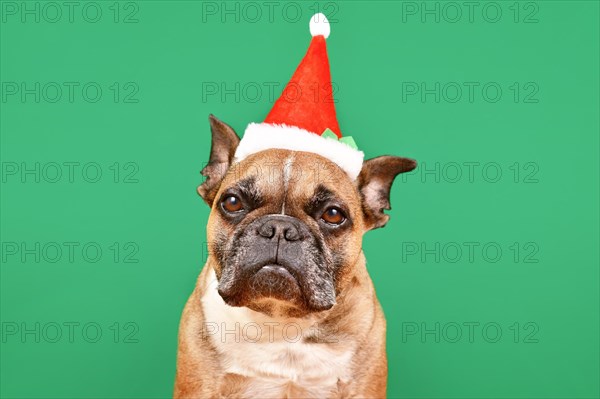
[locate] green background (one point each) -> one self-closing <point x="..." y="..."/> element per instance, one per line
<point x="159" y="137"/>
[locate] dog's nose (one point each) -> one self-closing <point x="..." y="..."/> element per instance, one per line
<point x="278" y="227"/>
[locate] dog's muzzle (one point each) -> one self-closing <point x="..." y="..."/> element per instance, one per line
<point x="275" y="256"/>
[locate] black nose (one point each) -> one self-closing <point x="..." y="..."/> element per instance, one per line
<point x="277" y="227"/>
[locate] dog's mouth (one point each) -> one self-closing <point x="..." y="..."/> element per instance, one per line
<point x="275" y="276"/>
<point x="275" y="271"/>
<point x="268" y="281"/>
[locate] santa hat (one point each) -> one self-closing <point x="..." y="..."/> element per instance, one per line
<point x="303" y="118"/>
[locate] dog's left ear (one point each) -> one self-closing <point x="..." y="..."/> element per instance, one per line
<point x="374" y="184"/>
<point x="222" y="151"/>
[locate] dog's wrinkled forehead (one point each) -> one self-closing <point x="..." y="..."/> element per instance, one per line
<point x="283" y="178"/>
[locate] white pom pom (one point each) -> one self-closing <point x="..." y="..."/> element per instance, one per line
<point x="319" y="25"/>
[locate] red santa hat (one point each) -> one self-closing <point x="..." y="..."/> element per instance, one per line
<point x="303" y="118"/>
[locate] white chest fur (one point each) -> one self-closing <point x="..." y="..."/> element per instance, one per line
<point x="270" y="349"/>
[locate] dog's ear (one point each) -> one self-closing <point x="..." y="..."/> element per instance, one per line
<point x="222" y="150"/>
<point x="374" y="184"/>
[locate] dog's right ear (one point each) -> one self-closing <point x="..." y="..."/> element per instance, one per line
<point x="375" y="183"/>
<point x="222" y="150"/>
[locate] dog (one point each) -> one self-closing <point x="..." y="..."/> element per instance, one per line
<point x="284" y="306"/>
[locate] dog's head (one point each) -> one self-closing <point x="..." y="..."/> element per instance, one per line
<point x="286" y="227"/>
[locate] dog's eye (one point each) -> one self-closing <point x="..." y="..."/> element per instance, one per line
<point x="231" y="203"/>
<point x="333" y="215"/>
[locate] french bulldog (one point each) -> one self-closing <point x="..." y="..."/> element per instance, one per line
<point x="284" y="306"/>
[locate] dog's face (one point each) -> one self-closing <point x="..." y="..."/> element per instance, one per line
<point x="286" y="227"/>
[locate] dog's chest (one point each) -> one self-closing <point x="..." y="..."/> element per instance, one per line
<point x="279" y="368"/>
<point x="274" y="354"/>
<point x="283" y="360"/>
